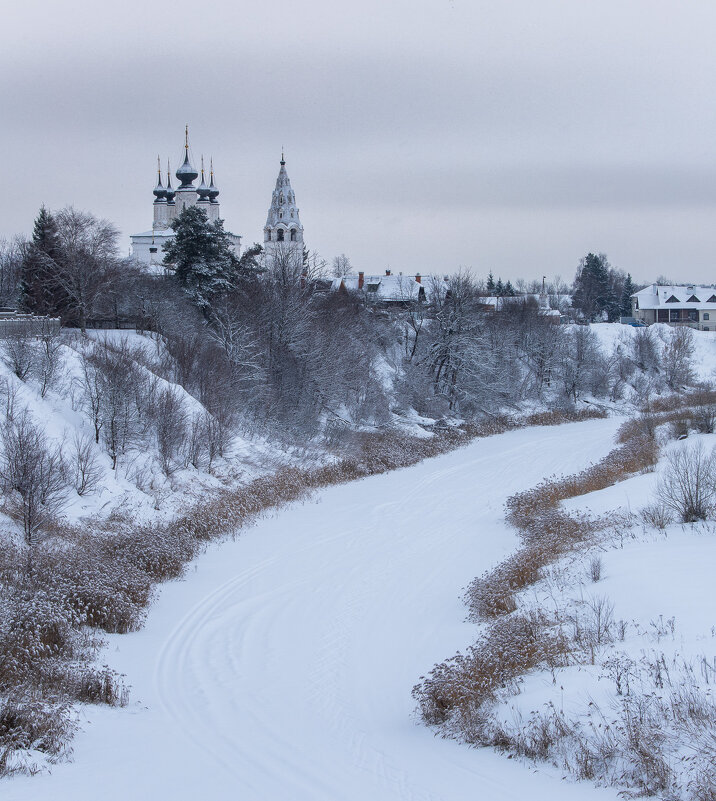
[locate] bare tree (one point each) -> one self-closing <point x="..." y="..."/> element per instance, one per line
<point x="11" y="252"/>
<point x="88" y="264"/>
<point x="688" y="485"/>
<point x="84" y="466"/>
<point x="170" y="426"/>
<point x="645" y="349"/>
<point x="48" y="365"/>
<point x="33" y="475"/>
<point x="677" y="357"/>
<point x="341" y="266"/>
<point x="195" y="447"/>
<point x="93" y="388"/>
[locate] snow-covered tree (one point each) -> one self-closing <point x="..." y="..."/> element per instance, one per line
<point x="594" y="295"/>
<point x="201" y="257"/>
<point x="628" y="289"/>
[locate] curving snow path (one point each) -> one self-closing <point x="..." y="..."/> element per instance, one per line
<point x="281" y="668"/>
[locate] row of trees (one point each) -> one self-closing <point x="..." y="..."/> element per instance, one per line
<point x="257" y="345"/>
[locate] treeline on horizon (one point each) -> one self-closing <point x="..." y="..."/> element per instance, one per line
<point x="264" y="348"/>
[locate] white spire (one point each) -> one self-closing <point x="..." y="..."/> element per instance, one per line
<point x="283" y="232"/>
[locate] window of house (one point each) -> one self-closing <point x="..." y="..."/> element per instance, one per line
<point x="674" y="315"/>
<point x="663" y="316"/>
<point x="279" y="235"/>
<point x="372" y="288"/>
<point x="693" y="299"/>
<point x="152" y="250"/>
<point x="693" y="315"/>
<point x="672" y="299"/>
<point x="706" y="316"/>
<point x="712" y="299"/>
<point x="706" y="328"/>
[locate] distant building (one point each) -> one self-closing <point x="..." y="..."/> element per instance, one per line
<point x="283" y="232"/>
<point x="389" y="289"/>
<point x="148" y="247"/>
<point x="694" y="306"/>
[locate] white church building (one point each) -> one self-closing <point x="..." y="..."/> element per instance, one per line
<point x="283" y="232"/>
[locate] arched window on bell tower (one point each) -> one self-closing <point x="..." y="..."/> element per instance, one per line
<point x="279" y="235"/>
<point x="293" y="235"/>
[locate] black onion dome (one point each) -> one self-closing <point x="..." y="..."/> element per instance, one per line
<point x="203" y="190"/>
<point x="169" y="191"/>
<point x="159" y="192"/>
<point x="213" y="189"/>
<point x="186" y="173"/>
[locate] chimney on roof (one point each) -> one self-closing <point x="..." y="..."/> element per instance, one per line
<point x="387" y="272"/>
<point x="361" y="276"/>
<point x="417" y="277"/>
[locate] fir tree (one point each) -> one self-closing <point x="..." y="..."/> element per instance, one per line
<point x="490" y="286"/>
<point x="38" y="286"/>
<point x="627" y="291"/>
<point x="593" y="292"/>
<point x="509" y="290"/>
<point x="201" y="257"/>
<point x="499" y="289"/>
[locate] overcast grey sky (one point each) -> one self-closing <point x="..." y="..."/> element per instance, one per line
<point x="511" y="135"/>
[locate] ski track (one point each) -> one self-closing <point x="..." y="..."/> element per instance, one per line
<point x="282" y="667"/>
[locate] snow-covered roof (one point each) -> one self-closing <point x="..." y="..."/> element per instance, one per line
<point x="688" y="296"/>
<point x="391" y="288"/>
<point x="159" y="234"/>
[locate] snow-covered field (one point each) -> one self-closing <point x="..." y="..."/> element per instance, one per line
<point x="282" y="666"/>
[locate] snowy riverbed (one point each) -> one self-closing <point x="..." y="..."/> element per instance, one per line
<point x="282" y="666"/>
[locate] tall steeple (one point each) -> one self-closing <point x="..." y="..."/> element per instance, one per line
<point x="171" y="194"/>
<point x="213" y="194"/>
<point x="186" y="174"/>
<point x="203" y="190"/>
<point x="160" y="201"/>
<point x="159" y="192"/>
<point x="283" y="232"/>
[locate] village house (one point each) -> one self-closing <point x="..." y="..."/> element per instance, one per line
<point x="694" y="306"/>
<point x="391" y="290"/>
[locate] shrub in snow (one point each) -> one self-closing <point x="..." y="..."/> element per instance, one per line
<point x="32" y="473"/>
<point x="19" y="351"/>
<point x="688" y="485"/>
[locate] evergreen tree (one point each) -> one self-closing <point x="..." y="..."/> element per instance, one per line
<point x="499" y="289"/>
<point x="627" y="291"/>
<point x="593" y="292"/>
<point x="249" y="264"/>
<point x="39" y="291"/>
<point x="490" y="286"/>
<point x="509" y="290"/>
<point x="201" y="257"/>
